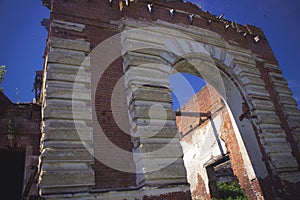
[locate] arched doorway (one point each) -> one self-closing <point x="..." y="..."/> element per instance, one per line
<point x="149" y="49"/>
<point x="211" y="152"/>
<point x="213" y="64"/>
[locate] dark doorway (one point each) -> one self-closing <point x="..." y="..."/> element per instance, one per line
<point x="11" y="173"/>
<point x="223" y="184"/>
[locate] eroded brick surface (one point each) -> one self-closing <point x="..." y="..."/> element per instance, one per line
<point x="95" y="21"/>
<point x="20" y="132"/>
<point x="209" y="100"/>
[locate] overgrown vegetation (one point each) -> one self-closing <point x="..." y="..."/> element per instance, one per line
<point x="11" y="127"/>
<point x="231" y="191"/>
<point x="199" y="5"/>
<point x="2" y="73"/>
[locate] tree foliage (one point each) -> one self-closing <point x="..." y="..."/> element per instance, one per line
<point x="230" y="191"/>
<point x="2" y="73"/>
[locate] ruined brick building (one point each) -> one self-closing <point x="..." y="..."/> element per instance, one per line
<point x="19" y="148"/>
<point x="107" y="126"/>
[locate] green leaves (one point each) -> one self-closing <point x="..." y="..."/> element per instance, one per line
<point x="2" y="73"/>
<point x="230" y="191"/>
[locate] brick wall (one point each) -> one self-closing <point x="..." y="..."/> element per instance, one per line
<point x="97" y="16"/>
<point x="97" y="30"/>
<point x="197" y="139"/>
<point x="102" y="21"/>
<point x="112" y="115"/>
<point x="20" y="131"/>
<point x="4" y="102"/>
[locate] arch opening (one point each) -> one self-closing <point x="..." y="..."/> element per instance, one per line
<point x="214" y="147"/>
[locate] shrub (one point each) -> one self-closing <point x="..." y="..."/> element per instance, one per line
<point x="230" y="191"/>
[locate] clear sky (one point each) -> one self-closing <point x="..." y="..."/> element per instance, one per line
<point x="22" y="38"/>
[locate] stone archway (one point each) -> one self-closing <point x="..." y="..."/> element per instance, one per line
<point x="231" y="70"/>
<point x="205" y="144"/>
<point x="150" y="46"/>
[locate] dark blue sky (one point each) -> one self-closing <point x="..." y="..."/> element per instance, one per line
<point x="22" y="38"/>
<point x="280" y="21"/>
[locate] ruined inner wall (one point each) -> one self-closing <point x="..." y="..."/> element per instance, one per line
<point x="76" y="28"/>
<point x="4" y="102"/>
<point x="20" y="132"/>
<point x="207" y="143"/>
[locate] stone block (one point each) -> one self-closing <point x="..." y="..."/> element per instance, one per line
<point x="60" y="166"/>
<point x="292" y="177"/>
<point x="148" y="61"/>
<point x="88" y="145"/>
<point x="272" y="129"/>
<point x="152" y="113"/>
<point x="144" y="71"/>
<point x="68" y="57"/>
<point x="140" y="81"/>
<point x="273" y="140"/>
<point x="294" y="122"/>
<point x="283" y="161"/>
<point x="250" y="79"/>
<point x="259" y="91"/>
<point x="146" y="35"/>
<point x="153" y="122"/>
<point x="77" y="44"/>
<point x="66" y="155"/>
<point x="156" y="132"/>
<point x="241" y="67"/>
<point x="151" y="140"/>
<point x="68" y="73"/>
<point x="283" y="89"/>
<point x="72" y="94"/>
<point x="152" y="94"/>
<point x="287" y="99"/>
<point x="63" y="110"/>
<point x="261" y="104"/>
<point x="68" y="25"/>
<point x="65" y="130"/>
<point x="160" y="150"/>
<point x="66" y="181"/>
<point x="149" y="164"/>
<point x="267" y="117"/>
<point x="278" y="148"/>
<point x="278" y="78"/>
<point x="164" y="105"/>
<point x="142" y="47"/>
<point x="172" y="171"/>
<point x="291" y="112"/>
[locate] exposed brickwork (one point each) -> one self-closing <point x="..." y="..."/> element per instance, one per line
<point x="281" y="188"/>
<point x="101" y="21"/>
<point x="20" y="131"/>
<point x="205" y="100"/>
<point x="95" y="32"/>
<point x="208" y="99"/>
<point x="96" y="15"/>
<point x="284" y="124"/>
<point x="4" y="103"/>
<point x="252" y="187"/>
<point x="105" y="176"/>
<point x="200" y="191"/>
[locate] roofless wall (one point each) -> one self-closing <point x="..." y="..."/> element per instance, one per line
<point x="108" y="130"/>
